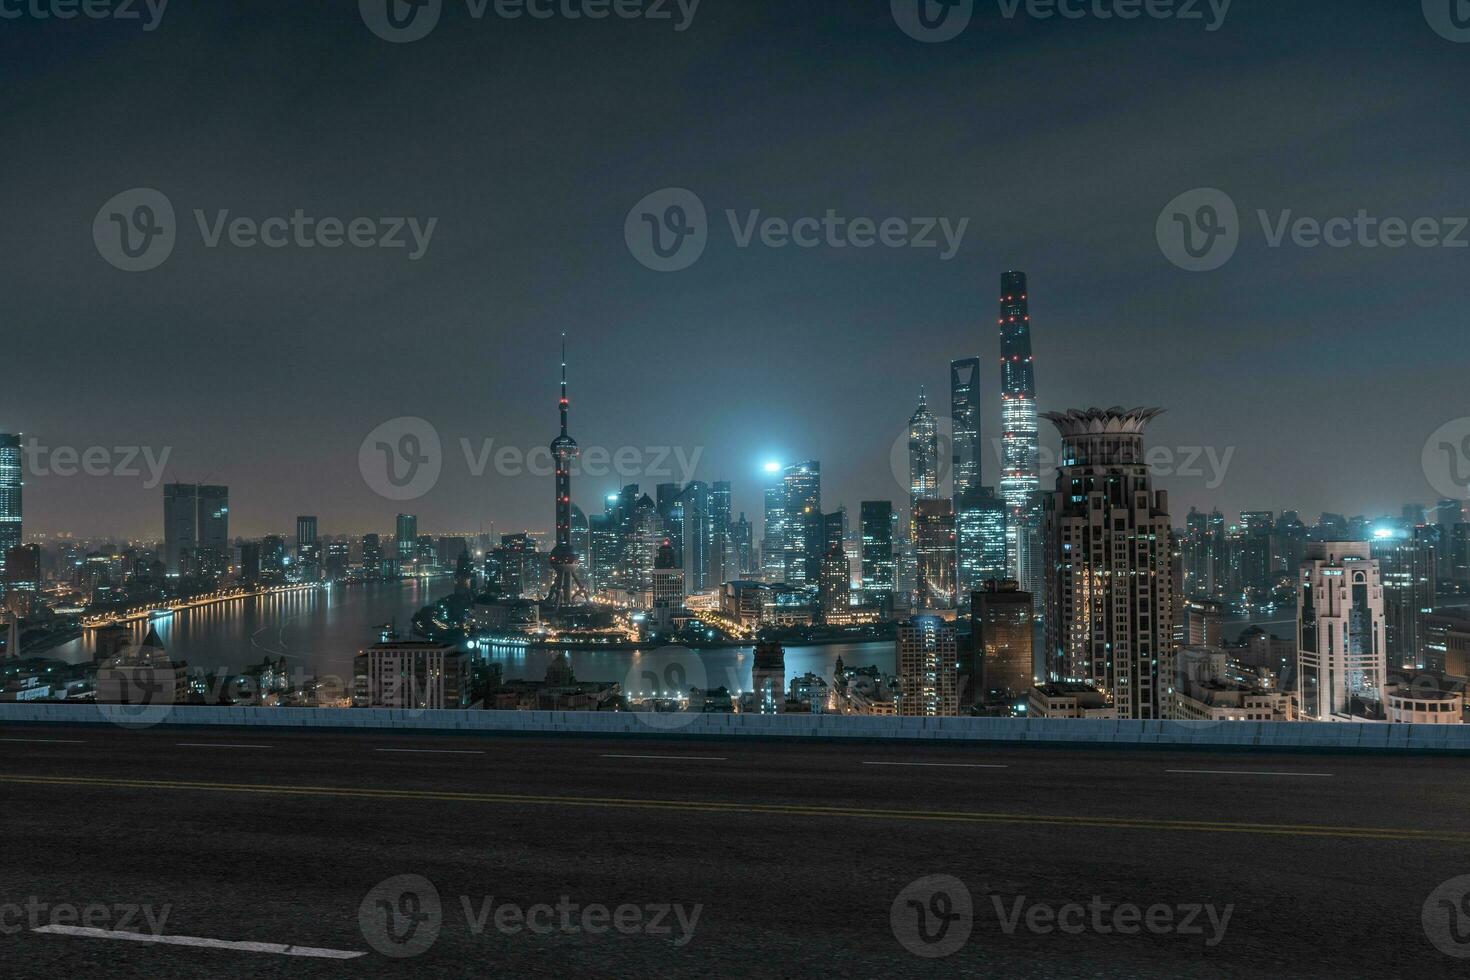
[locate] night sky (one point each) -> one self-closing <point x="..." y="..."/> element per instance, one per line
<point x="1060" y="140"/>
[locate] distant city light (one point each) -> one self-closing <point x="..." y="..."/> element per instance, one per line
<point x="772" y="466"/>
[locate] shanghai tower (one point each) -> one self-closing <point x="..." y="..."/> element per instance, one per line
<point x="567" y="588"/>
<point x="1021" y="477"/>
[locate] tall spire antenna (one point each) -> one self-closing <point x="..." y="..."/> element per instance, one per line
<point x="563" y="382"/>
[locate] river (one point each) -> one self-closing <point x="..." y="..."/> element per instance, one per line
<point x="319" y="631"/>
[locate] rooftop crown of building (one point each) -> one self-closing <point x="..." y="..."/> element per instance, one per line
<point x="1102" y="421"/>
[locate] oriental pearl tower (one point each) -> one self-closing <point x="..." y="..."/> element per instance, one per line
<point x="568" y="588"/>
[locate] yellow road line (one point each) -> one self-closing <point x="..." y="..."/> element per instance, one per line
<point x="698" y="806"/>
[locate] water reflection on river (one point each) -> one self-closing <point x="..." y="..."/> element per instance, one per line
<point x="319" y="631"/>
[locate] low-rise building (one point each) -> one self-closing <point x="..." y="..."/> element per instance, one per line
<point x="1065" y="699"/>
<point x="411" y="674"/>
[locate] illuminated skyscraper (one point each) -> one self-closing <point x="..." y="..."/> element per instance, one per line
<point x="696" y="527"/>
<point x="567" y="586"/>
<point x="835" y="587"/>
<point x="721" y="550"/>
<point x="923" y="460"/>
<point x="926" y="654"/>
<point x="308" y="549"/>
<point x="773" y="540"/>
<point x="10" y="492"/>
<point x="980" y="540"/>
<point x="879" y="569"/>
<point x="1021" y="476"/>
<point x="1407" y="572"/>
<point x="1021" y="479"/>
<point x="964" y="408"/>
<point x="214" y="530"/>
<point x="803" y="527"/>
<point x="1110" y="587"/>
<point x="372" y="556"/>
<point x="934" y="548"/>
<point x="1342" y="664"/>
<point x="407" y="534"/>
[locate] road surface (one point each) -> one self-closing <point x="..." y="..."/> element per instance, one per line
<point x="174" y="852"/>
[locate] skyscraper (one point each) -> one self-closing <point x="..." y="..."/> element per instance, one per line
<point x="934" y="548"/>
<point x="1001" y="618"/>
<point x="980" y="540"/>
<point x="698" y="533"/>
<point x="1021" y="475"/>
<point x="773" y="540"/>
<point x="308" y="549"/>
<point x="10" y="493"/>
<point x="1021" y="479"/>
<point x="742" y="547"/>
<point x="802" y="523"/>
<point x="1407" y="573"/>
<point x="567" y="586"/>
<point x="1109" y="602"/>
<point x="406" y="537"/>
<point x="212" y="554"/>
<point x="879" y="570"/>
<point x="835" y="587"/>
<point x="668" y="585"/>
<point x="964" y="409"/>
<point x="1342" y="663"/>
<point x="180" y="527"/>
<point x="923" y="460"/>
<point x="372" y="556"/>
<point x="928" y="667"/>
<point x="721" y="555"/>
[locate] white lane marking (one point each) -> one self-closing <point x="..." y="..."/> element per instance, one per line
<point x="139" y="937"/>
<point x="943" y="765"/>
<point x="1245" y="772"/>
<point x="676" y="758"/>
<point x="220" y="745"/>
<point x="60" y="741"/>
<point x="437" y="751"/>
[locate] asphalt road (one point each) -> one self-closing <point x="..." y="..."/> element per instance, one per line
<point x="403" y="855"/>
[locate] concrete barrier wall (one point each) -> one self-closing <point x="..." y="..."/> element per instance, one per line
<point x="1368" y="737"/>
